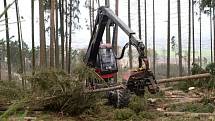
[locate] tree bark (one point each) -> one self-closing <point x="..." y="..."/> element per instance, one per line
<point x="168" y="41"/>
<point x="214" y="31"/>
<point x="179" y="38"/>
<point x="200" y="34"/>
<point x="70" y="37"/>
<point x="66" y="35"/>
<point x="62" y="31"/>
<point x="139" y="19"/>
<point x="91" y="26"/>
<point x="115" y="42"/>
<point x="52" y="33"/>
<point x="19" y="41"/>
<point x="56" y="38"/>
<point x="211" y="35"/>
<point x="8" y="42"/>
<point x="154" y="53"/>
<point x="42" y="35"/>
<point x="193" y="31"/>
<point x="129" y="25"/>
<point x="32" y="36"/>
<point x="146" y="44"/>
<point x="107" y="3"/>
<point x="189" y="37"/>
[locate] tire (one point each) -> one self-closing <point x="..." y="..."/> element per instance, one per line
<point x="119" y="98"/>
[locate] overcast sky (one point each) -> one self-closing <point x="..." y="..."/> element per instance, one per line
<point x="82" y="37"/>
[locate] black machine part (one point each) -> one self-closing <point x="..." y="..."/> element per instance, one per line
<point x="139" y="80"/>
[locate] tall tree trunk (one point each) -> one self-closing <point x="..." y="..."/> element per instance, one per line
<point x="91" y="26"/>
<point x="179" y="38"/>
<point x="70" y="37"/>
<point x="56" y="38"/>
<point x="211" y="35"/>
<point x="66" y="35"/>
<point x="42" y="35"/>
<point x="107" y="3"/>
<point x="154" y="56"/>
<point x="214" y="30"/>
<point x="93" y="20"/>
<point x="200" y="34"/>
<point x="62" y="32"/>
<point x="146" y="29"/>
<point x="193" y="23"/>
<point x="129" y="24"/>
<point x="115" y="42"/>
<point x="32" y="35"/>
<point x="189" y="37"/>
<point x="168" y="41"/>
<point x="19" y="40"/>
<point x="139" y="19"/>
<point x="8" y="42"/>
<point x="52" y="36"/>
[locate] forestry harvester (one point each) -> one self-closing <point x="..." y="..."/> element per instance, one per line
<point x="103" y="58"/>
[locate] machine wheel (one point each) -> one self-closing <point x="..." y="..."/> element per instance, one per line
<point x="119" y="98"/>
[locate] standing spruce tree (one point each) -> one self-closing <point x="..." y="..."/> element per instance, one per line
<point x="42" y="35"/>
<point x="189" y="37"/>
<point x="168" y="41"/>
<point x="200" y="34"/>
<point x="179" y="38"/>
<point x="56" y="37"/>
<point x="62" y="31"/>
<point x="52" y="33"/>
<point x="146" y="29"/>
<point x="107" y="3"/>
<point x="70" y="36"/>
<point x="19" y="37"/>
<point x="154" y="36"/>
<point x="8" y="41"/>
<point x="211" y="34"/>
<point x="32" y="35"/>
<point x="193" y="23"/>
<point x="129" y="25"/>
<point x="66" y="33"/>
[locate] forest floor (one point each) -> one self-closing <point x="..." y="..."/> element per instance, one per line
<point x="169" y="104"/>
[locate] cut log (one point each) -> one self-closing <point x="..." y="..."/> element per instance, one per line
<point x="161" y="81"/>
<point x="188" y="113"/>
<point x="184" y="78"/>
<point x="106" y="89"/>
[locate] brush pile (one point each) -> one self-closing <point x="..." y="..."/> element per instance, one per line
<point x="50" y="90"/>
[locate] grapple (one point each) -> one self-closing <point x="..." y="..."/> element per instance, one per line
<point x="139" y="80"/>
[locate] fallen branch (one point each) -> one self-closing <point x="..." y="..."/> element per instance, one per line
<point x="188" y="113"/>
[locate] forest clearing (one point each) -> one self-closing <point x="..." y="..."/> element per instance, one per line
<point x="103" y="60"/>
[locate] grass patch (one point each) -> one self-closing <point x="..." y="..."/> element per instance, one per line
<point x="138" y="104"/>
<point x="123" y="114"/>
